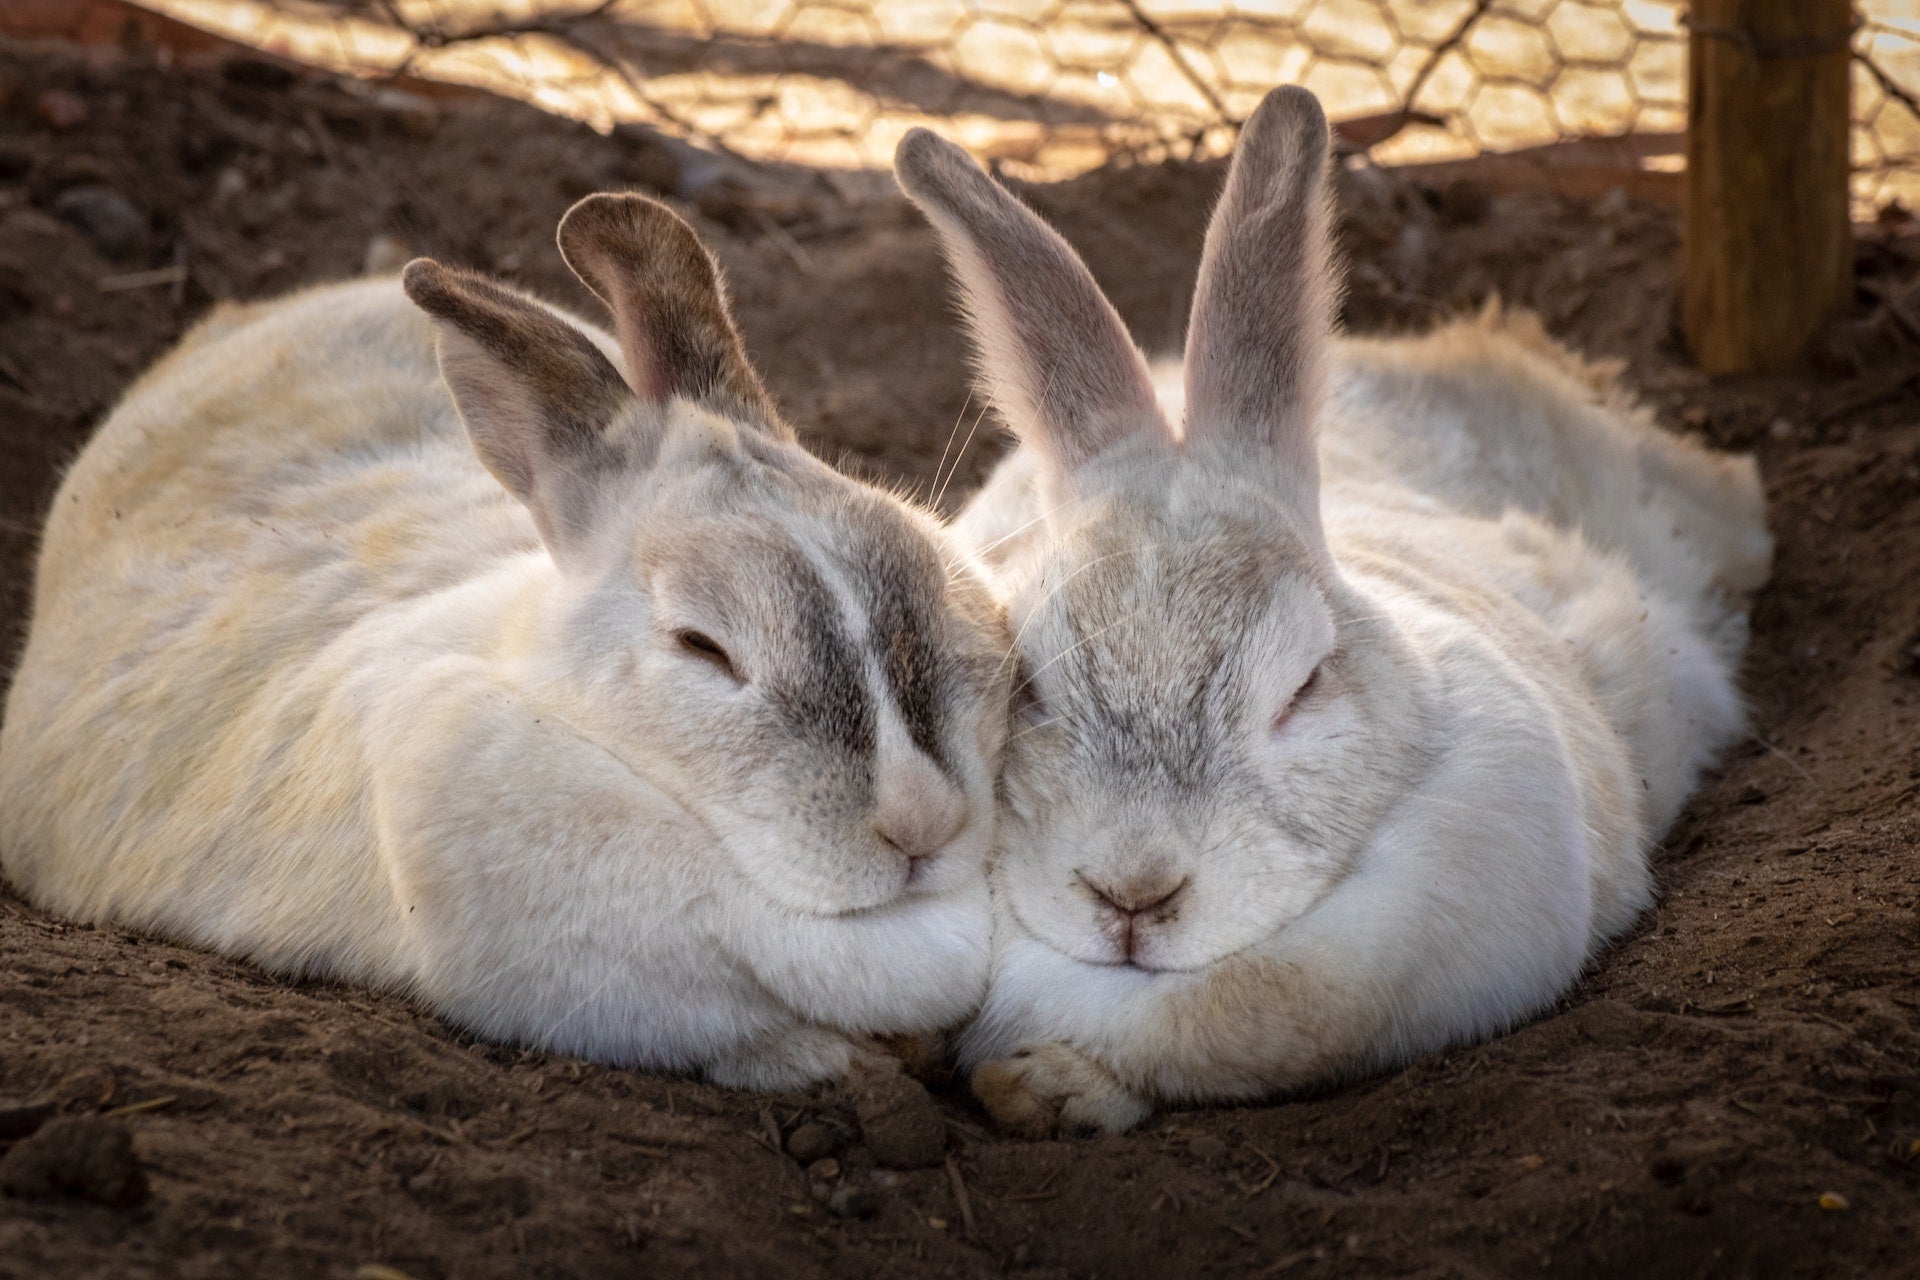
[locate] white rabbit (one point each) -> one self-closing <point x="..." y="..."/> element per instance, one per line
<point x="663" y="743"/>
<point x="1310" y="775"/>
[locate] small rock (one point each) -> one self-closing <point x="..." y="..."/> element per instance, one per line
<point x="76" y="1156"/>
<point x="900" y="1124"/>
<point x="61" y="108"/>
<point x="113" y="222"/>
<point x="824" y="1170"/>
<point x="849" y="1201"/>
<point x="812" y="1142"/>
<point x="1780" y="429"/>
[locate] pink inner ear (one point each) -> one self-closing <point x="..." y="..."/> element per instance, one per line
<point x="650" y="376"/>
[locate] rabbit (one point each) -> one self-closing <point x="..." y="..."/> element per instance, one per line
<point x="413" y="633"/>
<point x="1355" y="680"/>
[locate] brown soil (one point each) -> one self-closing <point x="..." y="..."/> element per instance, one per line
<point x="1753" y="1048"/>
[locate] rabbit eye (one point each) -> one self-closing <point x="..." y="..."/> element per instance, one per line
<point x="704" y="647"/>
<point x="1306" y="688"/>
<point x="1027" y="701"/>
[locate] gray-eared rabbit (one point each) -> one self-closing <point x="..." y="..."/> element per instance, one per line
<point x="452" y="645"/>
<point x="1356" y="680"/>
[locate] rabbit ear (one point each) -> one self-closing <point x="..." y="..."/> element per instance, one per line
<point x="536" y="395"/>
<point x="1263" y="311"/>
<point x="1055" y="358"/>
<point x="669" y="312"/>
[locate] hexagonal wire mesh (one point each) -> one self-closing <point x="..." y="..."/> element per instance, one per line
<point x="1052" y="87"/>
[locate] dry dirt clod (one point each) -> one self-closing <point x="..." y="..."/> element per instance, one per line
<point x="900" y="1124"/>
<point x="812" y="1142"/>
<point x="76" y="1156"/>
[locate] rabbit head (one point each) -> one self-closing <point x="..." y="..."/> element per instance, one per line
<point x="1209" y="721"/>
<point x="801" y="659"/>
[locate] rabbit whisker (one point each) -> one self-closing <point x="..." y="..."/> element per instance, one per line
<point x="940" y="466"/>
<point x="1792" y="764"/>
<point x="1077" y="644"/>
<point x="957" y="457"/>
<point x="1048" y="723"/>
<point x="1014" y="649"/>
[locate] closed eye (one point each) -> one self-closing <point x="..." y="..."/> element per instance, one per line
<point x="1300" y="695"/>
<point x="1027" y="702"/>
<point x="699" y="644"/>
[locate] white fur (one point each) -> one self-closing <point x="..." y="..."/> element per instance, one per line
<point x="1530" y="603"/>
<point x="304" y="685"/>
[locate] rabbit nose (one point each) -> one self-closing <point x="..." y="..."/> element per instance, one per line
<point x="1136" y="897"/>
<point x="918" y="811"/>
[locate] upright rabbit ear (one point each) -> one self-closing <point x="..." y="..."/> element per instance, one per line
<point x="1055" y="358"/>
<point x="669" y="312"/>
<point x="1263" y="312"/>
<point x="538" y="398"/>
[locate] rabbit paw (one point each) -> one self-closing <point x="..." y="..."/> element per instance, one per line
<point x="1041" y="1089"/>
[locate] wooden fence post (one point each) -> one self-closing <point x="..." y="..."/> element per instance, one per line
<point x="1768" y="241"/>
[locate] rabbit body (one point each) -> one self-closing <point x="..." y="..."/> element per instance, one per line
<point x="1498" y="610"/>
<point x="304" y="685"/>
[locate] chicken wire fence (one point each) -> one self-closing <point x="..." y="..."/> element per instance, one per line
<point x="1053" y="87"/>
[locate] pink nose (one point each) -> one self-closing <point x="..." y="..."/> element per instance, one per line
<point x="1137" y="897"/>
<point x="1128" y="902"/>
<point x="918" y="811"/>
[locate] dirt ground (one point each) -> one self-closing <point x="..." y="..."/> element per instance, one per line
<point x="1734" y="1091"/>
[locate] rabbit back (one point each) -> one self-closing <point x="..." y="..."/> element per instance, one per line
<point x="1489" y="414"/>
<point x="256" y="497"/>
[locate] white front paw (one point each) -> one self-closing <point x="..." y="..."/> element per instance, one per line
<point x="1041" y="1089"/>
